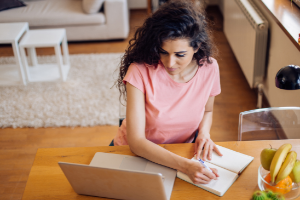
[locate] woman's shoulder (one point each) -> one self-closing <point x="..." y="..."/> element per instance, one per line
<point x="142" y="64"/>
<point x="135" y="67"/>
<point x="212" y="61"/>
<point x="142" y="67"/>
<point x="212" y="65"/>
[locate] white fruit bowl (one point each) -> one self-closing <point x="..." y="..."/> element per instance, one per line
<point x="263" y="185"/>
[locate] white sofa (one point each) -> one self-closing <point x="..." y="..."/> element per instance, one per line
<point x="112" y="23"/>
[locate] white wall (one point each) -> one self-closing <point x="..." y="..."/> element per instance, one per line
<point x="282" y="52"/>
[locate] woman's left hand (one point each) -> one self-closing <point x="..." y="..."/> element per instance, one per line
<point x="203" y="142"/>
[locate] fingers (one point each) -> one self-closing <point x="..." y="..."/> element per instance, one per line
<point x="210" y="153"/>
<point x="207" y="173"/>
<point x="205" y="177"/>
<point x="201" y="175"/>
<point x="202" y="179"/>
<point x="215" y="171"/>
<point x="206" y="147"/>
<point x="217" y="150"/>
<point x="199" y="149"/>
<point x="210" y="174"/>
<point x="207" y="152"/>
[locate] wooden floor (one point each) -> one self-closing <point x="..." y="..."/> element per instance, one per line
<point x="18" y="146"/>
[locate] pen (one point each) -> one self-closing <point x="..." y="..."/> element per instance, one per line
<point x="205" y="166"/>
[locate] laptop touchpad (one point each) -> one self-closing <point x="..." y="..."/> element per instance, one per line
<point x="134" y="163"/>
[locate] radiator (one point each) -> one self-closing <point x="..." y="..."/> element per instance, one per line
<point x="247" y="31"/>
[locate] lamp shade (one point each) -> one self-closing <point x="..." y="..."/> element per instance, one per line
<point x="288" y="78"/>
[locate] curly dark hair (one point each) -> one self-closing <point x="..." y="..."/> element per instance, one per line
<point x="174" y="19"/>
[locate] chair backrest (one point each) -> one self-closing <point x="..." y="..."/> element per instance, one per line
<point x="273" y="123"/>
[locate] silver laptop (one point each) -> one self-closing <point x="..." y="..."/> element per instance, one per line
<point x="121" y="177"/>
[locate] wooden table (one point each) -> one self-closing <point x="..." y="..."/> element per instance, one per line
<point x="47" y="181"/>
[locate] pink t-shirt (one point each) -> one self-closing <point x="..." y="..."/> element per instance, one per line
<point x="173" y="110"/>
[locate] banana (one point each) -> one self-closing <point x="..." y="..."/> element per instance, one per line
<point x="278" y="160"/>
<point x="287" y="166"/>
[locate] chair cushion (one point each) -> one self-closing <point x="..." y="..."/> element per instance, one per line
<point x="91" y="6"/>
<point x="52" y="13"/>
<point x="8" y="4"/>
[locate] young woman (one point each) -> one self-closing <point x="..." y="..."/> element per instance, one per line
<point x="170" y="80"/>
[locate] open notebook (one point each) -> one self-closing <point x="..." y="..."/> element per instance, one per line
<point x="229" y="167"/>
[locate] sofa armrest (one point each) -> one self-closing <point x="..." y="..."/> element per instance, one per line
<point x="117" y="18"/>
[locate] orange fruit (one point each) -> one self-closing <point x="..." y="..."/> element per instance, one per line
<point x="282" y="187"/>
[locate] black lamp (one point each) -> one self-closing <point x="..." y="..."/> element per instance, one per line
<point x="288" y="78"/>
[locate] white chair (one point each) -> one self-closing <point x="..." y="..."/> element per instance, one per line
<point x="273" y="123"/>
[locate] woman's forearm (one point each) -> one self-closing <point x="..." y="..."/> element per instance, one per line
<point x="194" y="170"/>
<point x="147" y="149"/>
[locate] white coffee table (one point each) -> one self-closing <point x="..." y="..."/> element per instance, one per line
<point x="11" y="33"/>
<point x="46" y="38"/>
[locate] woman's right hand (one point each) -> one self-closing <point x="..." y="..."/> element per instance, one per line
<point x="199" y="174"/>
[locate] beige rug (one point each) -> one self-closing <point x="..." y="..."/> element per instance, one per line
<point x="85" y="99"/>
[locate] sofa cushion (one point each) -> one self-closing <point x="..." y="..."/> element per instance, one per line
<point x="52" y="13"/>
<point x="91" y="6"/>
<point x="8" y="4"/>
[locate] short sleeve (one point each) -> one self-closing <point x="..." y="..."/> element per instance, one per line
<point x="216" y="85"/>
<point x="134" y="76"/>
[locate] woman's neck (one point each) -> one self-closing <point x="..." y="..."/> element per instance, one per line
<point x="187" y="74"/>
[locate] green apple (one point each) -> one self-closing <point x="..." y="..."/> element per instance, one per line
<point x="266" y="157"/>
<point x="295" y="174"/>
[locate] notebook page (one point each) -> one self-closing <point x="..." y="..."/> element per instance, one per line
<point x="231" y="160"/>
<point x="218" y="187"/>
